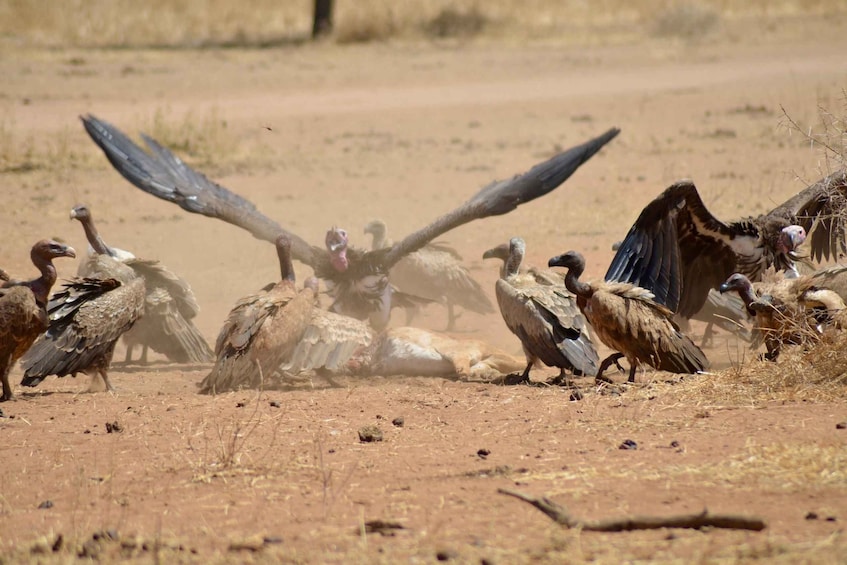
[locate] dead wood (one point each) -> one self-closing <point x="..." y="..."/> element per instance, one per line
<point x="703" y="519"/>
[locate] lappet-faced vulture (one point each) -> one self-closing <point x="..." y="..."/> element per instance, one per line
<point x="170" y="304"/>
<point x="23" y="307"/>
<point x="627" y="319"/>
<point x="357" y="279"/>
<point x="87" y="316"/>
<point x="678" y="250"/>
<point x="434" y="272"/>
<point x="545" y="317"/>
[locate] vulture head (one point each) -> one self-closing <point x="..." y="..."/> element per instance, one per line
<point x="336" y="244"/>
<point x="378" y="230"/>
<point x="742" y="285"/>
<point x="790" y="238"/>
<point x="81" y="212"/>
<point x="500" y="252"/>
<point x="46" y="250"/>
<point x="572" y="260"/>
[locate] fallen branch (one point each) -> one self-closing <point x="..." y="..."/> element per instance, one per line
<point x="703" y="519"/>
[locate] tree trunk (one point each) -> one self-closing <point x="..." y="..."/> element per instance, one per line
<point x="322" y="23"/>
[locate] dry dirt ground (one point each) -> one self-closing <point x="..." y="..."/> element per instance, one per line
<point x="325" y="135"/>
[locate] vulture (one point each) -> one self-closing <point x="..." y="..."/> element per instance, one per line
<point x="261" y="331"/>
<point x="170" y="305"/>
<point x="87" y="316"/>
<point x="629" y="321"/>
<point x="545" y="317"/>
<point x="787" y="310"/>
<point x="23" y="307"/>
<point x="678" y="250"/>
<point x="356" y="279"/>
<point x="434" y="272"/>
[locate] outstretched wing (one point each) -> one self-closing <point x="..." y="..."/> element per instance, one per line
<point x="504" y="196"/>
<point x="822" y="211"/>
<point x="678" y="250"/>
<point x="164" y="175"/>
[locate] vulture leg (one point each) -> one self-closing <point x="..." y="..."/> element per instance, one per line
<point x="632" y="369"/>
<point x="412" y="313"/>
<point x="143" y="359"/>
<point x="7" y="388"/>
<point x="516" y="379"/>
<point x="708" y="335"/>
<point x="451" y="317"/>
<point x="128" y="358"/>
<point x="607" y="362"/>
<point x="562" y="379"/>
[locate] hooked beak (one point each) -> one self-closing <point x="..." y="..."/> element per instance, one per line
<point x="69" y="252"/>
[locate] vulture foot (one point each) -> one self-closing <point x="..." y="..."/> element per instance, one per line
<point x="513" y="379"/>
<point x="100" y="383"/>
<point x="607" y="362"/>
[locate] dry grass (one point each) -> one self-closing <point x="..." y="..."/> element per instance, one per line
<point x="267" y="23"/>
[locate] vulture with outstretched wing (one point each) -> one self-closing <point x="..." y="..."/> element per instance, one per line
<point x="23" y="307"/>
<point x="678" y="250"/>
<point x="170" y="305"/>
<point x="357" y="279"/>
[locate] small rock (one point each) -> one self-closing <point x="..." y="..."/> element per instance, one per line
<point x="483" y="453"/>
<point x="831" y="519"/>
<point x="58" y="543"/>
<point x="399" y="421"/>
<point x="253" y="543"/>
<point x="841" y="426"/>
<point x="370" y="433"/>
<point x="274" y="404"/>
<point x="811" y="515"/>
<point x="628" y="444"/>
<point x="45" y="505"/>
<point x="576" y="395"/>
<point x="2" y="414"/>
<point x="240" y="405"/>
<point x="674" y="444"/>
<point x="87" y="432"/>
<point x="446" y="554"/>
<point x="271" y="540"/>
<point x="113" y="427"/>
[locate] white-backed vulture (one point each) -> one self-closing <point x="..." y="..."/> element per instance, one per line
<point x="23" y="307"/>
<point x="357" y="279"/>
<point x="87" y="316"/>
<point x="170" y="304"/>
<point x="545" y="317"/>
<point x="678" y="250"/>
<point x="627" y="319"/>
<point x="261" y="331"/>
<point x="787" y="310"/>
<point x="434" y="272"/>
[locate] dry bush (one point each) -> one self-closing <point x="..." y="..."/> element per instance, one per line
<point x="689" y="21"/>
<point x="266" y="23"/>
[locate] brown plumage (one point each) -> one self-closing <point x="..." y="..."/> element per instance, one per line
<point x="787" y="311"/>
<point x="678" y="250"/>
<point x="436" y="273"/>
<point x="23" y="308"/>
<point x="356" y="279"/>
<point x="543" y="315"/>
<point x="170" y="305"/>
<point x="261" y="331"/>
<point x="87" y="316"/>
<point x="627" y="319"/>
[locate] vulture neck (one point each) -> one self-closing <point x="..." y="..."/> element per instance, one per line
<point x="747" y="296"/>
<point x="379" y="239"/>
<point x="286" y="268"/>
<point x="41" y="286"/>
<point x="94" y="239"/>
<point x="339" y="261"/>
<point x="512" y="264"/>
<point x="576" y="286"/>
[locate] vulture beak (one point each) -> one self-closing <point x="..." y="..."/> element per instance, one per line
<point x="69" y="252"/>
<point x="724" y="288"/>
<point x="73" y="214"/>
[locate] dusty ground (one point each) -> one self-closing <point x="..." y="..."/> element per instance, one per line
<point x="324" y="135"/>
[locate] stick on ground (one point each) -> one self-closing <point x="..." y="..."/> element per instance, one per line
<point x="703" y="519"/>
